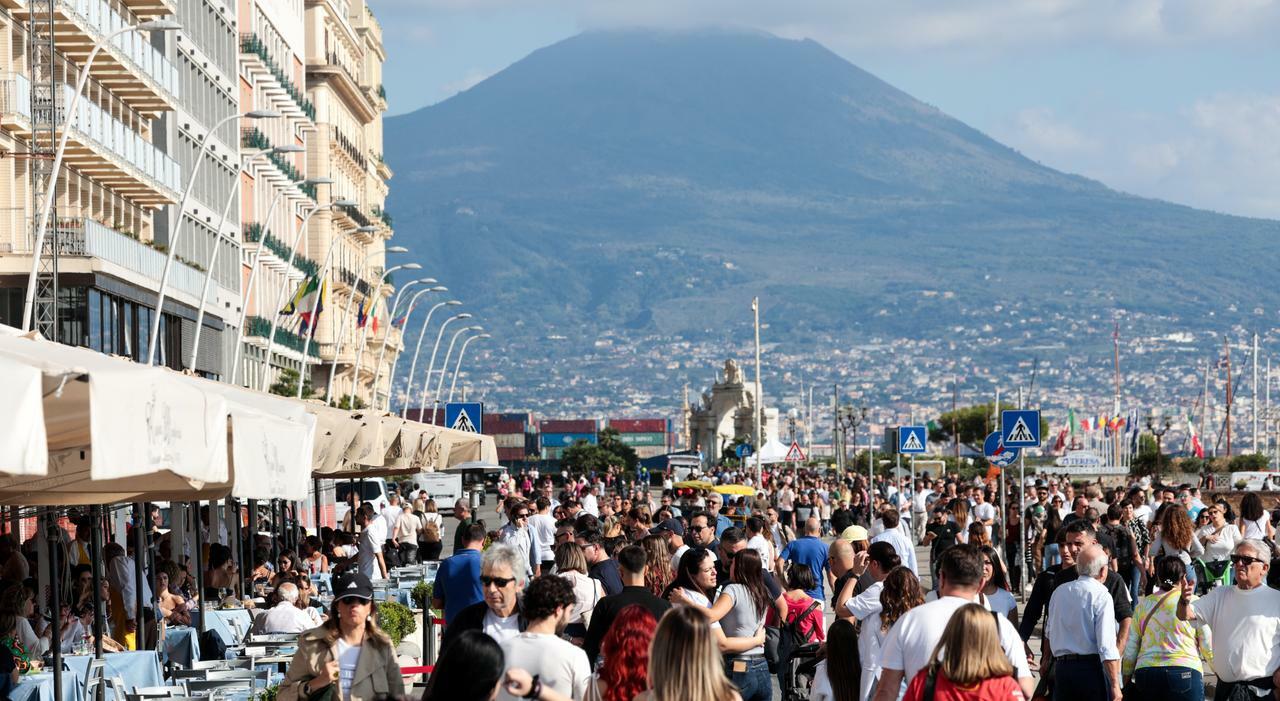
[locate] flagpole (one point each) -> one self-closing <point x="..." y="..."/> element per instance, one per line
<point x="364" y="325"/>
<point x="316" y="307"/>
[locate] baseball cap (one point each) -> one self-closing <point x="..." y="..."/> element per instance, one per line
<point x="350" y="585"/>
<point x="670" y="525"/>
<point x="854" y="534"/>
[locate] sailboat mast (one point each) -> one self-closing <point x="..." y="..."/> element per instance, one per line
<point x="1227" y="343"/>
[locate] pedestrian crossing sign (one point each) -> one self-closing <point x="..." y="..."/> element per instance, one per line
<point x="912" y="440"/>
<point x="795" y="454"/>
<point x="464" y="416"/>
<point x="1020" y="428"/>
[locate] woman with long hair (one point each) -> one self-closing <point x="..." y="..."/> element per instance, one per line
<point x="977" y="535"/>
<point x="624" y="673"/>
<point x="968" y="663"/>
<point x="839" y="675"/>
<point x="901" y="592"/>
<point x="469" y="669"/>
<point x="696" y="575"/>
<point x="1052" y="524"/>
<point x="173" y="606"/>
<point x="351" y="639"/>
<point x="1176" y="538"/>
<point x="996" y="588"/>
<point x="684" y="664"/>
<point x="1253" y="521"/>
<point x="571" y="564"/>
<point x="960" y="511"/>
<point x="658" y="574"/>
<point x="1162" y="652"/>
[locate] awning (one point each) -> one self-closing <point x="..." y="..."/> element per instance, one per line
<point x="23" y="448"/>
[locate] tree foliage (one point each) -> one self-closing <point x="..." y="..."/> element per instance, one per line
<point x="973" y="423"/>
<point x="609" y="451"/>
<point x="287" y="385"/>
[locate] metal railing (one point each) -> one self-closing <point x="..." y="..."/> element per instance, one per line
<point x="103" y="17"/>
<point x="251" y="43"/>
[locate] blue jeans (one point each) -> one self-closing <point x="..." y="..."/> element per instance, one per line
<point x="755" y="684"/>
<point x="1170" y="683"/>
<point x="1051" y="556"/>
<point x="1079" y="679"/>
<point x="1135" y="583"/>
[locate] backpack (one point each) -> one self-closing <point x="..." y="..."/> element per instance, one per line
<point x="212" y="646"/>
<point x="780" y="642"/>
<point x="430" y="532"/>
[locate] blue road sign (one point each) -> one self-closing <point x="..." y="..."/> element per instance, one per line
<point x="1020" y="428"/>
<point x="464" y="416"/>
<point x="997" y="453"/>
<point x="912" y="440"/>
<point x="744" y="450"/>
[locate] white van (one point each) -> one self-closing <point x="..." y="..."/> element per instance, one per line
<point x="445" y="488"/>
<point x="375" y="491"/>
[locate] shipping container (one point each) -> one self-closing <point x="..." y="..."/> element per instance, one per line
<point x="426" y="415"/>
<point x="494" y="427"/>
<point x="564" y="440"/>
<point x="650" y="451"/>
<point x="511" y="454"/>
<point x="568" y="426"/>
<point x="638" y="425"/>
<point x="523" y="417"/>
<point x="551" y="453"/>
<point x="647" y="439"/>
<point x="509" y="440"/>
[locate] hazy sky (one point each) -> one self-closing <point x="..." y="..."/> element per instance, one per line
<point x="1175" y="99"/>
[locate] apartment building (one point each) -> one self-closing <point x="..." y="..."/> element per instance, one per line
<point x="149" y="99"/>
<point x="344" y="57"/>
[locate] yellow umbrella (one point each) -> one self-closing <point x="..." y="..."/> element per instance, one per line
<point x="741" y="490"/>
<point x="694" y="484"/>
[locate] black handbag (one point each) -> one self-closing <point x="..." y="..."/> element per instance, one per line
<point x="781" y="641"/>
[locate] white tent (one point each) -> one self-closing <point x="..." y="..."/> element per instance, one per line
<point x="772" y="452"/>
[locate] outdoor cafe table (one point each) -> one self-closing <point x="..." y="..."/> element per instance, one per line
<point x="39" y="687"/>
<point x="232" y="625"/>
<point x="139" y="668"/>
<point x="182" y="645"/>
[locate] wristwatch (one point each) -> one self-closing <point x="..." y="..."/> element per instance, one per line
<point x="535" y="689"/>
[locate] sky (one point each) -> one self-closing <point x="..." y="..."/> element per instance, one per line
<point x="1172" y="99"/>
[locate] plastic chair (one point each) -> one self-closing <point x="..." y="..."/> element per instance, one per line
<point x="96" y="676"/>
<point x="152" y="692"/>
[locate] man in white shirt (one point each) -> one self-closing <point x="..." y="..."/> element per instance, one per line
<point x="286" y="617"/>
<point x="544" y="526"/>
<point x="373" y="535"/>
<point x="1082" y="633"/>
<point x="983" y="511"/>
<point x="122" y="577"/>
<point x="539" y="650"/>
<point x="756" y="540"/>
<point x="591" y="502"/>
<point x="391" y="512"/>
<point x="919" y="509"/>
<point x="912" y="639"/>
<point x="1245" y="620"/>
<point x="518" y="534"/>
<point x="894" y="536"/>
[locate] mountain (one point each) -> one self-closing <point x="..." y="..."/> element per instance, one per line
<point x="645" y="183"/>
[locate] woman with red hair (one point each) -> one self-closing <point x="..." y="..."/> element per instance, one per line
<point x="624" y="672"/>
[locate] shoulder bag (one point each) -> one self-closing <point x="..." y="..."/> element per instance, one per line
<point x="1131" y="691"/>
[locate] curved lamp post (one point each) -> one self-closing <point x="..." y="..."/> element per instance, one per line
<point x="213" y="257"/>
<point x="413" y="367"/>
<point x="284" y="288"/>
<point x="42" y="222"/>
<point x="395" y="308"/>
<point x="444" y="367"/>
<point x="431" y="365"/>
<point x="154" y="341"/>
<point x="462" y="352"/>
<point x="342" y="329"/>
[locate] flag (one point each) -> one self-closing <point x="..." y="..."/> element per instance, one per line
<point x="301" y="299"/>
<point x="1084" y="425"/>
<point x="1071" y="421"/>
<point x="308" y="302"/>
<point x="1196" y="448"/>
<point x="1061" y="442"/>
<point x="361" y="316"/>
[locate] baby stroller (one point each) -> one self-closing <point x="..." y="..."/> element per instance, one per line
<point x="796" y="678"/>
<point x="1212" y="574"/>
<point x="792" y="656"/>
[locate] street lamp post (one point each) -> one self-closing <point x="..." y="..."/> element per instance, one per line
<point x="395" y="308"/>
<point x="413" y="367"/>
<point x="346" y="313"/>
<point x="431" y="365"/>
<point x="213" y="257"/>
<point x="444" y="367"/>
<point x="1163" y="424"/>
<point x="253" y="271"/>
<point x="42" y="221"/>
<point x="461" y="352"/>
<point x="284" y="288"/>
<point x="203" y="150"/>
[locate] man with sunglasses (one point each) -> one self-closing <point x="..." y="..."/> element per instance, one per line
<point x="519" y="534"/>
<point x="502" y="579"/>
<point x="457" y="584"/>
<point x="1245" y="620"/>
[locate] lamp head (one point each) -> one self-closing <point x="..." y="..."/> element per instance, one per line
<point x="464" y="315"/>
<point x="475" y="328"/>
<point x="439" y="288"/>
<point x="453" y="303"/>
<point x="159" y="25"/>
<point x="288" y="148"/>
<point x="411" y="266"/>
<point x="322" y="180"/>
<point x="363" y="229"/>
<point x="484" y="335"/>
<point x="399" y="249"/>
<point x="261" y="114"/>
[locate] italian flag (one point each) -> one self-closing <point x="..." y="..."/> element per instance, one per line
<point x="308" y="302"/>
<point x="1196" y="448"/>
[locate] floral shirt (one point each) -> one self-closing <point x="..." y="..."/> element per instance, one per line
<point x="1165" y="641"/>
<point x="1140" y="533"/>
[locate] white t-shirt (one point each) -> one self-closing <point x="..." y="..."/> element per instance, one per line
<point x="370" y="545"/>
<point x="920" y="502"/>
<point x="680" y="551"/>
<point x="501" y="629"/>
<point x="590" y="504"/>
<point x="1221" y="548"/>
<point x="914" y="636"/>
<point x="1002" y="601"/>
<point x="985" y="511"/>
<point x="391" y="514"/>
<point x="348" y="658"/>
<point x="762" y="545"/>
<point x="545" y="526"/>
<point x="866" y="608"/>
<point x="1246" y="631"/>
<point x="557" y="663"/>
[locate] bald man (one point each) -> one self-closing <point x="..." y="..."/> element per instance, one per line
<point x="809" y="551"/>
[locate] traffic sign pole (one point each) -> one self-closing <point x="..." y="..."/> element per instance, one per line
<point x="1022" y="531"/>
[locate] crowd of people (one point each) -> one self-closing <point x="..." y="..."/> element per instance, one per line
<point x="594" y="588"/>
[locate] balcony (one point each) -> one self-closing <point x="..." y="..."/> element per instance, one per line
<point x="257" y="328"/>
<point x="253" y="233"/>
<point x="333" y="69"/>
<point x="101" y="146"/>
<point x="348" y="147"/>
<point x="130" y="66"/>
<point x="254" y="49"/>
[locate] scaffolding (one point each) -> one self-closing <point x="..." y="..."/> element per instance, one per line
<point x="45" y="116"/>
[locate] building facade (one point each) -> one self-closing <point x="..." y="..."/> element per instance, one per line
<point x="727" y="411"/>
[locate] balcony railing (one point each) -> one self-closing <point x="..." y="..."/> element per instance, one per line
<point x="349" y="279"/>
<point x="113" y="135"/>
<point x="382" y="214"/>
<point x="100" y="18"/>
<point x="349" y="147"/>
<point x="253" y="233"/>
<point x="260" y="327"/>
<point x="253" y="44"/>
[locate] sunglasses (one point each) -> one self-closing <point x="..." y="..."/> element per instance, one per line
<point x="1245" y="560"/>
<point x="522" y="515"/>
<point x="498" y="582"/>
<point x="354" y="600"/>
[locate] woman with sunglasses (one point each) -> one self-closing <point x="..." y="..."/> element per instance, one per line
<point x="328" y="656"/>
<point x="1219" y="537"/>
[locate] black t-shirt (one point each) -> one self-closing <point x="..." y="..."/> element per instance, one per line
<point x="607" y="572"/>
<point x="944" y="537"/>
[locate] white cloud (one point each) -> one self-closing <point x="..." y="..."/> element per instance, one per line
<point x="470" y="79"/>
<point x="1220" y="152"/>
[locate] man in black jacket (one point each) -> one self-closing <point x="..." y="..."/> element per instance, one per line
<point x="632" y="563"/>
